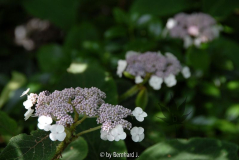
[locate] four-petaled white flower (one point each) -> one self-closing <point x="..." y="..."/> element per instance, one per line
<point x="115" y="134"/>
<point x="155" y="82"/>
<point x="57" y="132"/>
<point x="137" y="134"/>
<point x="28" y="104"/>
<point x="121" y="67"/>
<point x="170" y="80"/>
<point x="44" y="123"/>
<point x="170" y="23"/>
<point x="186" y="72"/>
<point x="28" y="113"/>
<point x="139" y="114"/>
<point x="138" y="80"/>
<point x="25" y="92"/>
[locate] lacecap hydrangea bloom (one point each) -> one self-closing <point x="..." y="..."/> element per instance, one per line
<point x="56" y="112"/>
<point x="194" y="28"/>
<point x="156" y="67"/>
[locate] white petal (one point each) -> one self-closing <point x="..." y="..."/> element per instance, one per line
<point x="155" y="82"/>
<point x="140" y="119"/>
<point x="135" y="138"/>
<point x="61" y="136"/>
<point x="122" y="136"/>
<point x="121" y="67"/>
<point x="170" y="80"/>
<point x="144" y="114"/>
<point x="103" y="137"/>
<point x="25" y="92"/>
<point x="114" y="132"/>
<point x="48" y="120"/>
<point x="187" y="42"/>
<point x="40" y="126"/>
<point x="138" y="110"/>
<point x="170" y="23"/>
<point x="141" y="137"/>
<point x="117" y="138"/>
<point x="186" y="72"/>
<point x="138" y="80"/>
<point x="42" y="119"/>
<point x="52" y="136"/>
<point x="60" y="128"/>
<point x="110" y="137"/>
<point x="53" y="128"/>
<point x="134" y="131"/>
<point x="47" y="127"/>
<point x="140" y="130"/>
<point x="28" y="113"/>
<point x="28" y="104"/>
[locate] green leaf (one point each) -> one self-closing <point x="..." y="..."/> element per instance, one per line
<point x="79" y="34"/>
<point x="52" y="58"/>
<point x="36" y="146"/>
<point x="16" y="82"/>
<point x="115" y="32"/>
<point x="210" y="89"/>
<point x="199" y="59"/>
<point x="120" y="16"/>
<point x="195" y="148"/>
<point x="159" y="7"/>
<point x="8" y="126"/>
<point x="76" y="150"/>
<point x="97" y="145"/>
<point x="142" y="98"/>
<point x="220" y="8"/>
<point x="60" y="12"/>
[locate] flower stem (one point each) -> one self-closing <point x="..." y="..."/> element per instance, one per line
<point x="80" y="121"/>
<point x="129" y="93"/>
<point x="88" y="130"/>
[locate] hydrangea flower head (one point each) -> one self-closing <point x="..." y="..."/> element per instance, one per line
<point x="193" y="28"/>
<point x="157" y="67"/>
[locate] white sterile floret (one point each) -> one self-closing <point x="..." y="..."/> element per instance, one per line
<point x="121" y="67"/>
<point x="57" y="132"/>
<point x="28" y="104"/>
<point x="137" y="134"/>
<point x="115" y="134"/>
<point x="139" y="114"/>
<point x="170" y="23"/>
<point x="186" y="72"/>
<point x="155" y="82"/>
<point x="103" y="134"/>
<point x="138" y="80"/>
<point x="28" y="113"/>
<point x="170" y="80"/>
<point x="187" y="42"/>
<point x="25" y="92"/>
<point x="44" y="123"/>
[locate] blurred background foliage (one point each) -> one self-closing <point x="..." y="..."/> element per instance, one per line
<point x="81" y="45"/>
